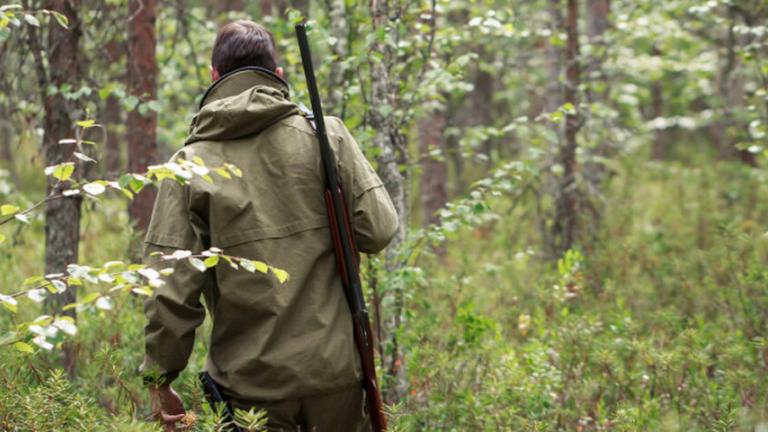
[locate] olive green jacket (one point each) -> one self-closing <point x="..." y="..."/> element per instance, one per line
<point x="270" y="341"/>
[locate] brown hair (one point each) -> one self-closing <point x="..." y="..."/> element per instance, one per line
<point x="243" y="43"/>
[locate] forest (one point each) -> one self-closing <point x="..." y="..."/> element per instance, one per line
<point x="583" y="234"/>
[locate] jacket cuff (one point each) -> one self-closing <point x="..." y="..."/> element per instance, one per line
<point x="158" y="380"/>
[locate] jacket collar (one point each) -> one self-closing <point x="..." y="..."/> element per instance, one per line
<point x="240" y="80"/>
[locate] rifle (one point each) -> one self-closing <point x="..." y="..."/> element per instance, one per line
<point x="344" y="247"/>
<point x="212" y="393"/>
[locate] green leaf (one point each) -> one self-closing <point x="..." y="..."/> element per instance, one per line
<point x="2" y="237"/>
<point x="211" y="261"/>
<point x="281" y="274"/>
<point x="33" y="280"/>
<point x="61" y="19"/>
<point x="260" y="266"/>
<point x="85" y="124"/>
<point x="8" y="209"/>
<point x="124" y="180"/>
<point x="23" y="347"/>
<point x="31" y="20"/>
<point x="385" y="110"/>
<point x="222" y="172"/>
<point x="247" y="265"/>
<point x="90" y="297"/>
<point x="196" y="263"/>
<point x="234" y="170"/>
<point x="83" y="157"/>
<point x="61" y="171"/>
<point x="94" y="188"/>
<point x="145" y="291"/>
<point x="9" y="303"/>
<point x="136" y="184"/>
<point x="130" y="102"/>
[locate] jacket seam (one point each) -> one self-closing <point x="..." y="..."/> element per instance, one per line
<point x="282" y="231"/>
<point x="164" y="240"/>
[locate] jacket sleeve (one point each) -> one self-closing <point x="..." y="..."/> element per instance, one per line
<point x="174" y="310"/>
<point x="374" y="218"/>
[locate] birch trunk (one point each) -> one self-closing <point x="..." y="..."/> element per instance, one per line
<point x="392" y="154"/>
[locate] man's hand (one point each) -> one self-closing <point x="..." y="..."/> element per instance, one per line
<point x="167" y="406"/>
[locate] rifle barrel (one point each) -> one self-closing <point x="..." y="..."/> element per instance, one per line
<point x="346" y="255"/>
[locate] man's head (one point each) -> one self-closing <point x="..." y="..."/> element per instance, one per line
<point x="243" y="43"/>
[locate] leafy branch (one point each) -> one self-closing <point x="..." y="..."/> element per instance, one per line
<point x="118" y="277"/>
<point x="182" y="171"/>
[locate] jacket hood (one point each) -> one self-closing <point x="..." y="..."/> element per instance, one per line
<point x="243" y="102"/>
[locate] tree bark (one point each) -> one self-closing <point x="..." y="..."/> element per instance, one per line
<point x="553" y="99"/>
<point x="730" y="92"/>
<point x="433" y="170"/>
<point x="483" y="108"/>
<point x="62" y="215"/>
<point x="266" y="8"/>
<point x="142" y="83"/>
<point x="597" y="24"/>
<point x="392" y="147"/>
<point x="597" y="20"/>
<point x="340" y="31"/>
<point x="7" y="133"/>
<point x="659" y="149"/>
<point x="566" y="219"/>
<point x="224" y="6"/>
<point x="113" y="120"/>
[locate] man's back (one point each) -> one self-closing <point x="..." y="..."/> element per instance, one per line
<point x="270" y="341"/>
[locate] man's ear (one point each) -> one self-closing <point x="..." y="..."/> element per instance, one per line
<point x="279" y="72"/>
<point x="214" y="74"/>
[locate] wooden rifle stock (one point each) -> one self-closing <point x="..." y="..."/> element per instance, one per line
<point x="343" y="245"/>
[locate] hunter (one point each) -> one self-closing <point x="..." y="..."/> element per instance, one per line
<point x="285" y="348"/>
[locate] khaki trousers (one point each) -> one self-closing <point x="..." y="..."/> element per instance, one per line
<point x="341" y="411"/>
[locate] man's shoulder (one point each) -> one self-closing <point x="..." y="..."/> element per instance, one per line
<point x="201" y="149"/>
<point x="294" y="123"/>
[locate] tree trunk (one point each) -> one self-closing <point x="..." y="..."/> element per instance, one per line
<point x="482" y="108"/>
<point x="113" y="121"/>
<point x="597" y="20"/>
<point x="433" y="170"/>
<point x="392" y="154"/>
<point x="659" y="149"/>
<point x="224" y="6"/>
<point x="340" y="31"/>
<point x="62" y="215"/>
<point x="597" y="25"/>
<point x="7" y="133"/>
<point x="142" y="83"/>
<point x="566" y="219"/>
<point x="553" y="99"/>
<point x="266" y="8"/>
<point x="730" y="92"/>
